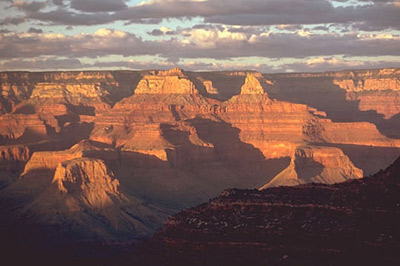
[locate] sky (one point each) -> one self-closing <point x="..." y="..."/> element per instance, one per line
<point x="199" y="35"/>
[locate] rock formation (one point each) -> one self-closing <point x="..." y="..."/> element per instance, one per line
<point x="89" y="189"/>
<point x="316" y="165"/>
<point x="363" y="95"/>
<point x="354" y="222"/>
<point x="173" y="139"/>
<point x="166" y="82"/>
<point x="251" y="85"/>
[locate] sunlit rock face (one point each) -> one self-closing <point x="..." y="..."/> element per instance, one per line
<point x="376" y="90"/>
<point x="166" y="82"/>
<point x="135" y="147"/>
<point x="363" y="95"/>
<point x="316" y="165"/>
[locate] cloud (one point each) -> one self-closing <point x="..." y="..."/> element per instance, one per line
<point x="58" y="2"/>
<point x="34" y="30"/>
<point x="369" y="16"/>
<point x="162" y="31"/>
<point x="29" y="6"/>
<point x="98" y="5"/>
<point x="318" y="30"/>
<point x="12" y="20"/>
<point x="213" y="43"/>
<point x="53" y="63"/>
<point x="41" y="64"/>
<point x="316" y="64"/>
<point x="101" y="43"/>
<point x="319" y="64"/>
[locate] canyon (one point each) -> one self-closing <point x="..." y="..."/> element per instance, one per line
<point x="111" y="154"/>
<point x="354" y="222"/>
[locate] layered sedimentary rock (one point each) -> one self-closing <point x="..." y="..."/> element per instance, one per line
<point x="12" y="161"/>
<point x="89" y="189"/>
<point x="50" y="159"/>
<point x="251" y="86"/>
<point x="166" y="82"/>
<point x="347" y="96"/>
<point x="175" y="139"/>
<point x="78" y="187"/>
<point x="375" y="90"/>
<point x="316" y="165"/>
<point x="21" y="128"/>
<point x="354" y="222"/>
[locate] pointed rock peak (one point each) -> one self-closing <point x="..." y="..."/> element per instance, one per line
<point x="252" y="85"/>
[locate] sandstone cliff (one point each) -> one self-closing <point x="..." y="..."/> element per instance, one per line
<point x="325" y="165"/>
<point x="166" y="82"/>
<point x="346" y="96"/>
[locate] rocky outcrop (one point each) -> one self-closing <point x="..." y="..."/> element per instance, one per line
<point x="362" y="90"/>
<point x="166" y="82"/>
<point x="175" y="139"/>
<point x="342" y="224"/>
<point x="49" y="160"/>
<point x="12" y="161"/>
<point x="21" y="128"/>
<point x="86" y="182"/>
<point x="85" y="195"/>
<point x="325" y="165"/>
<point x="251" y="85"/>
<point x="375" y="91"/>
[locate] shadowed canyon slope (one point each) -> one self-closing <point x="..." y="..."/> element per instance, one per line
<point x="111" y="154"/>
<point x="350" y="223"/>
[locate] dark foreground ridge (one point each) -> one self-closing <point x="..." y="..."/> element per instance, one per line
<point x="351" y="223"/>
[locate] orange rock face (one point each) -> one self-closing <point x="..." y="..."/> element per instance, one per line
<point x="364" y="95"/>
<point x="96" y="141"/>
<point x="316" y="165"/>
<point x="166" y="82"/>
